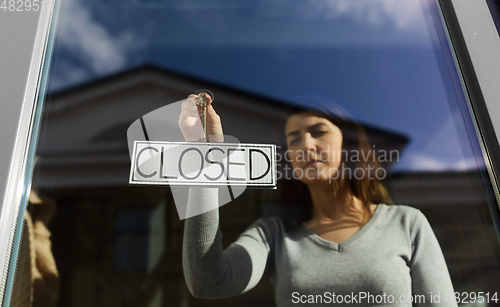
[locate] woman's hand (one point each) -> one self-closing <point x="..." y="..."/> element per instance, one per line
<point x="190" y="121"/>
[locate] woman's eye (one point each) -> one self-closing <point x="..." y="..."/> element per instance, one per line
<point x="294" y="141"/>
<point x="318" y="133"/>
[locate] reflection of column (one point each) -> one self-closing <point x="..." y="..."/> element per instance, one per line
<point x="37" y="279"/>
<point x="186" y="296"/>
<point x="156" y="241"/>
<point x="157" y="298"/>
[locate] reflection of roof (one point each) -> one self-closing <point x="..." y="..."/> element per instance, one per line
<point x="130" y="76"/>
<point x="88" y="123"/>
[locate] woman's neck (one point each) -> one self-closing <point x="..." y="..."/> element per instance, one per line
<point x="334" y="202"/>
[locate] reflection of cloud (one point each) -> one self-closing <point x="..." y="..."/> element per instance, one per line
<point x="420" y="162"/>
<point x="403" y="14"/>
<point x="428" y="163"/>
<point x="102" y="51"/>
<point x="305" y="23"/>
<point x="443" y="151"/>
<point x="465" y="164"/>
<point x="92" y="44"/>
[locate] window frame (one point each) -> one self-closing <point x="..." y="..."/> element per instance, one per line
<point x="21" y="156"/>
<point x="475" y="42"/>
<point x="474" y="57"/>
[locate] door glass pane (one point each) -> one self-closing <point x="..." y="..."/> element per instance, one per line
<point x="95" y="240"/>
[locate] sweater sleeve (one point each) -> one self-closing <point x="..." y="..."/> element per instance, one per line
<point x="428" y="267"/>
<point x="210" y="271"/>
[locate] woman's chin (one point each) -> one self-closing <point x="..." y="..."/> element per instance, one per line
<point x="315" y="182"/>
<point x="316" y="179"/>
<point x="314" y="173"/>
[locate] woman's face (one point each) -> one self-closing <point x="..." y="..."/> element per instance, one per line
<point x="314" y="147"/>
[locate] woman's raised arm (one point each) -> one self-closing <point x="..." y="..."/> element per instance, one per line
<point x="212" y="272"/>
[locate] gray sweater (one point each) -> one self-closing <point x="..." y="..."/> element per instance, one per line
<point x="394" y="258"/>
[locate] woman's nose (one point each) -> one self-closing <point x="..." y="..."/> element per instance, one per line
<point x="309" y="144"/>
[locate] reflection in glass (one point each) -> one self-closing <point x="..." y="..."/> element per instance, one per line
<point x="384" y="63"/>
<point x="36" y="282"/>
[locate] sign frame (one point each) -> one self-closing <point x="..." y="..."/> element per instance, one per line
<point x="246" y="183"/>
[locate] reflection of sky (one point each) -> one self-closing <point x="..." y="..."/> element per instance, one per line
<point x="373" y="57"/>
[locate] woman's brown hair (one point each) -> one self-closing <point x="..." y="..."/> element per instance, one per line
<point x="369" y="189"/>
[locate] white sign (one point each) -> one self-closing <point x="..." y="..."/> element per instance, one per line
<point x="203" y="164"/>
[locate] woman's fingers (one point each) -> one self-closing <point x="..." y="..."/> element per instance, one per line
<point x="190" y="121"/>
<point x="214" y="126"/>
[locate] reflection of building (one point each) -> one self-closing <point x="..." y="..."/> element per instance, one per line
<point x="84" y="138"/>
<point x="117" y="245"/>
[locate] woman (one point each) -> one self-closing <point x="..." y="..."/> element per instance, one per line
<point x="352" y="248"/>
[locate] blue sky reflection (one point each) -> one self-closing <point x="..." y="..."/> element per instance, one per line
<point x="376" y="58"/>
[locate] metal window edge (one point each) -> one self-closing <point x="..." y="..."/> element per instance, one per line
<point x="19" y="176"/>
<point x="476" y="45"/>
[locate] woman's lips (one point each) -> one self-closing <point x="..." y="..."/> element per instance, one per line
<point x="311" y="163"/>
